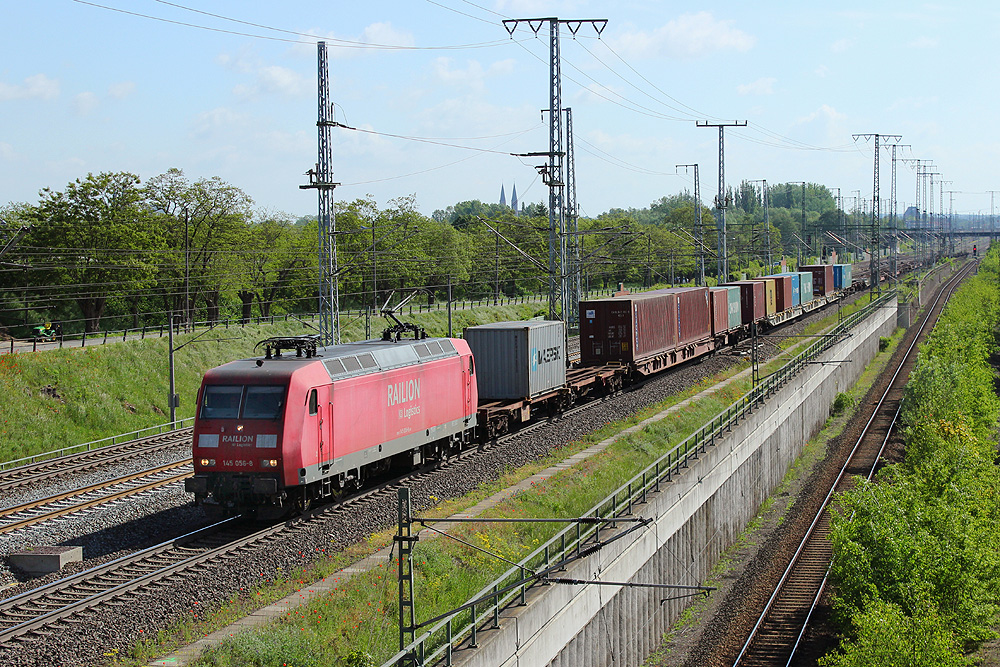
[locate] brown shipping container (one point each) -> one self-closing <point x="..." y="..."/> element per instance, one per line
<point x="627" y="328"/>
<point x="782" y="292"/>
<point x="720" y="309"/>
<point x="752" y="302"/>
<point x="822" y="278"/>
<point x="770" y="295"/>
<point x="694" y="313"/>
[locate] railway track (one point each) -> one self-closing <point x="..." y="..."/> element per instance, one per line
<point x="55" y="607"/>
<point x="137" y="584"/>
<point x="20" y="516"/>
<point x="777" y="635"/>
<point x="71" y="464"/>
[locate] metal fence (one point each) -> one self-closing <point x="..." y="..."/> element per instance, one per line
<point x="96" y="444"/>
<point x="159" y="330"/>
<point x="436" y="644"/>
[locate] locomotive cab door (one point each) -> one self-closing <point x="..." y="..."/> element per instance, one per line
<point x="469" y="373"/>
<point x="316" y="422"/>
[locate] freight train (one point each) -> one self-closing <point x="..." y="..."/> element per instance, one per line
<point x="276" y="433"/>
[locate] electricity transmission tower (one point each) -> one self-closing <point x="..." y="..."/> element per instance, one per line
<point x="721" y="202"/>
<point x="873" y="267"/>
<point x="993" y="220"/>
<point x="321" y="179"/>
<point x="552" y="175"/>
<point x="573" y="219"/>
<point x="893" y="226"/>
<point x="802" y="224"/>
<point x="700" y="225"/>
<point x="766" y="200"/>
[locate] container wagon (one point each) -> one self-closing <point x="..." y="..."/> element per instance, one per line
<point x="822" y="274"/>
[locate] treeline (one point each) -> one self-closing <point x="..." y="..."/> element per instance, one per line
<point x="111" y="251"/>
<point x="916" y="563"/>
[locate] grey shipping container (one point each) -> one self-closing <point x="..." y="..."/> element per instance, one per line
<point x="516" y="360"/>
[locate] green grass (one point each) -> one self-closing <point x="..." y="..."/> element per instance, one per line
<point x="357" y="620"/>
<point x="57" y="398"/>
<point x="447" y="573"/>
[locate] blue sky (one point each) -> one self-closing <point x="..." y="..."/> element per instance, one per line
<point x="85" y="88"/>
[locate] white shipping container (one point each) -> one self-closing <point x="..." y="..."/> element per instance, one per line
<point x="516" y="360"/>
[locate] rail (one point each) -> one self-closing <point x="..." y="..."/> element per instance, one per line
<point x="435" y="645"/>
<point x="97" y="444"/>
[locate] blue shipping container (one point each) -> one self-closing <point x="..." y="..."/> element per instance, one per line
<point x="842" y="275"/>
<point x="796" y="292"/>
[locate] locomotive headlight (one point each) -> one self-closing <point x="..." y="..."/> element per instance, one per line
<point x="207" y="463"/>
<point x="269" y="463"/>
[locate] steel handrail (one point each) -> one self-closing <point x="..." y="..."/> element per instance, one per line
<point x="441" y="637"/>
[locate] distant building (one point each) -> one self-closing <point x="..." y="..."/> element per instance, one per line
<point x="513" y="198"/>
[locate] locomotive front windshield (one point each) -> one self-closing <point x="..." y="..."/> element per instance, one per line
<point x="242" y="402"/>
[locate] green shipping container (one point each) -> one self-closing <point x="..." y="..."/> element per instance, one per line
<point x="806" y="293"/>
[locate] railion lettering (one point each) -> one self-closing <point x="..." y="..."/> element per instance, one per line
<point x="403" y="392"/>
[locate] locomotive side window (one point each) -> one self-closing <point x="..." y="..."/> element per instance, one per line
<point x="263" y="402"/>
<point x="313" y="402"/>
<point x="221" y="402"/>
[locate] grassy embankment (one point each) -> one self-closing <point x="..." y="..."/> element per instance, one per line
<point x="772" y="512"/>
<point x="57" y="398"/>
<point x="916" y="564"/>
<point x="357" y="620"/>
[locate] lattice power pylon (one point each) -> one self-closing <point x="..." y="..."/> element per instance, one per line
<point x="321" y="179"/>
<point x="552" y="175"/>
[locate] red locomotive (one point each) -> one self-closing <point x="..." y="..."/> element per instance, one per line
<point x="276" y="433"/>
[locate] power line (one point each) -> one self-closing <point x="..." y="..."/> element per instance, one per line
<point x="309" y="38"/>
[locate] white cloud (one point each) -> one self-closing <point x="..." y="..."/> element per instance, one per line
<point x="762" y="86"/>
<point x="825" y="112"/>
<point x="597" y="93"/>
<point x="121" y="90"/>
<point x="913" y="103"/>
<point x="6" y="151"/>
<point x="84" y="103"/>
<point x="341" y="46"/>
<point x="687" y="36"/>
<point x="536" y="7"/>
<point x="267" y="80"/>
<point x="925" y="42"/>
<point x="37" y="86"/>
<point x="384" y="33"/>
<point x="822" y="71"/>
<point x="220" y="118"/>
<point x="842" y="45"/>
<point x="473" y="76"/>
<point x="276" y="79"/>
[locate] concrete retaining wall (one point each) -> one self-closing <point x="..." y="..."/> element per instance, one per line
<point x="696" y="517"/>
